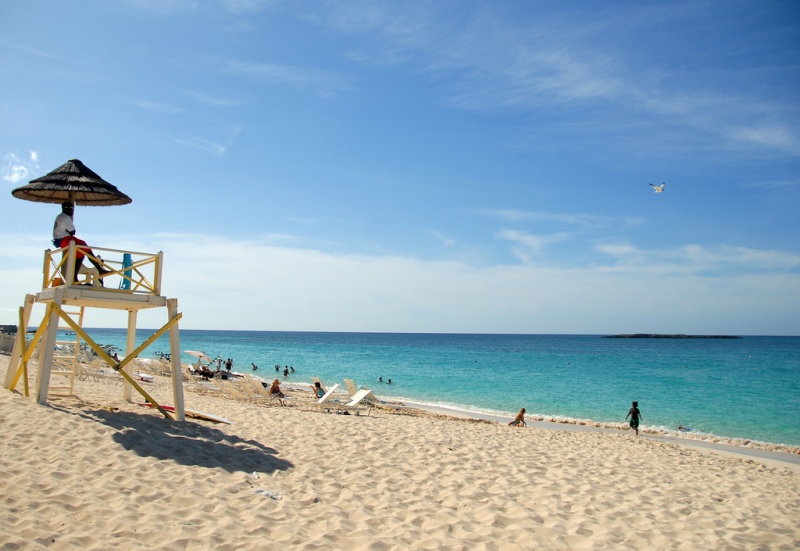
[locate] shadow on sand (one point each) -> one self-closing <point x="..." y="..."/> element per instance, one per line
<point x="187" y="443"/>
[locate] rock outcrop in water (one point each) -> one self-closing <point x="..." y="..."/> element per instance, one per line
<point x="658" y="336"/>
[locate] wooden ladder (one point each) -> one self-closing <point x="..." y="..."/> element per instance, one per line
<point x="66" y="358"/>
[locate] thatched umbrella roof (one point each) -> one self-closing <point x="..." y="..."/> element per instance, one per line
<point x="73" y="181"/>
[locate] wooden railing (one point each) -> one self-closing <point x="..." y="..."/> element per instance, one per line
<point x="129" y="271"/>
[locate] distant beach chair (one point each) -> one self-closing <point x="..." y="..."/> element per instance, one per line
<point x="373" y="400"/>
<point x="256" y="390"/>
<point x="357" y="401"/>
<point x="352" y="390"/>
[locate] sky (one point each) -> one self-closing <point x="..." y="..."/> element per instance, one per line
<point x="448" y="167"/>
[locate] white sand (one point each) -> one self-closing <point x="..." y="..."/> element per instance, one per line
<point x="77" y="476"/>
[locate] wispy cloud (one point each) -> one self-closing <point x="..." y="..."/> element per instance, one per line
<point x="529" y="246"/>
<point x="30" y="51"/>
<point x="323" y="82"/>
<point x="218" y="148"/>
<point x="442" y="238"/>
<point x="16" y="169"/>
<point x="165" y="6"/>
<point x="148" y="105"/>
<point x="485" y="59"/>
<point x="216" y="101"/>
<point x="769" y="136"/>
<point x="246" y="6"/>
<point x="696" y="259"/>
<point x="572" y="219"/>
<point x="773" y="184"/>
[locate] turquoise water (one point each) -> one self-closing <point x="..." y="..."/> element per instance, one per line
<point x="736" y="388"/>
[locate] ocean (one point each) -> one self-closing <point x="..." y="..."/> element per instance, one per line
<point x="746" y="388"/>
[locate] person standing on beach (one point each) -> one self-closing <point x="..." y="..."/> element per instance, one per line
<point x="228" y="364"/>
<point x="635" y="416"/>
<point x="519" y="420"/>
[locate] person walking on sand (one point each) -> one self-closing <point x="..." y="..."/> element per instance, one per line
<point x="519" y="420"/>
<point x="635" y="416"/>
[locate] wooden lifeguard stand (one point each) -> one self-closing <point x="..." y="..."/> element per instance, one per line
<point x="139" y="289"/>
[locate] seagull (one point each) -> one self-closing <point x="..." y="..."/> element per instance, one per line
<point x="658" y="189"/>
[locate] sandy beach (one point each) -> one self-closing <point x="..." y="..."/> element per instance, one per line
<point x="94" y="472"/>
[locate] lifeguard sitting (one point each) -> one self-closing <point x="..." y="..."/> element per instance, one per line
<point x="64" y="233"/>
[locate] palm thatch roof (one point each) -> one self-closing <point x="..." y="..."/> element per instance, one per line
<point x="73" y="181"/>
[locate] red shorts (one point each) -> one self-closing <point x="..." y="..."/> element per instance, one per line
<point x="65" y="243"/>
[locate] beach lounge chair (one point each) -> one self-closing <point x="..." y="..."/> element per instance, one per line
<point x="352" y="390"/>
<point x="372" y="399"/>
<point x="256" y="390"/>
<point x="322" y="402"/>
<point x="357" y="401"/>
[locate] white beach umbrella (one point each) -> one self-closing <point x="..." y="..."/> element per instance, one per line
<point x="198" y="354"/>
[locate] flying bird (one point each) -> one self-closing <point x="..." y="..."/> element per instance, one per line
<point x="658" y="189"/>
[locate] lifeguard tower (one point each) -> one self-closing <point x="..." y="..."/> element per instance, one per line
<point x="66" y="296"/>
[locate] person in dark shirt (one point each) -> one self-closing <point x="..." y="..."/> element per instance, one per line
<point x="635" y="416"/>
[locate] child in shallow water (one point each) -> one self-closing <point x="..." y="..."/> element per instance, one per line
<point x="519" y="420"/>
<point x="635" y="416"/>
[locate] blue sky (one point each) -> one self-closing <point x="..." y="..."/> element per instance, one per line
<point x="420" y="166"/>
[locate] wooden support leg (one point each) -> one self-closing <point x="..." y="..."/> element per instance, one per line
<point x="130" y="346"/>
<point x="48" y="345"/>
<point x="16" y="351"/>
<point x="175" y="355"/>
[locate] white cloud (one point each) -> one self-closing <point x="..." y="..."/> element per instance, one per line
<point x="208" y="99"/>
<point x="16" y="170"/>
<point x="773" y="184"/>
<point x="148" y="105"/>
<point x="696" y="259"/>
<point x="223" y="284"/>
<point x="218" y="148"/>
<point x="527" y="245"/>
<point x="323" y="82"/>
<point x="489" y="58"/>
<point x="443" y="238"/>
<point x="768" y="136"/>
<point x="581" y="220"/>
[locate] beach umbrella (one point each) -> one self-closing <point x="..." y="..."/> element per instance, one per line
<point x="199" y="354"/>
<point x="74" y="182"/>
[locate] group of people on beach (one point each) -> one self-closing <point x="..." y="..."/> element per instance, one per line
<point x="634" y="414"/>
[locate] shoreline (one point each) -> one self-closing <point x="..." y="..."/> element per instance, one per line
<point x="770" y="452"/>
<point x="750" y="447"/>
<point x="772" y="457"/>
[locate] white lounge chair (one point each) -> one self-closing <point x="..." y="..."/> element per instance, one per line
<point x="371" y="398"/>
<point x="352" y="390"/>
<point x="356" y="401"/>
<point x="322" y="402"/>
